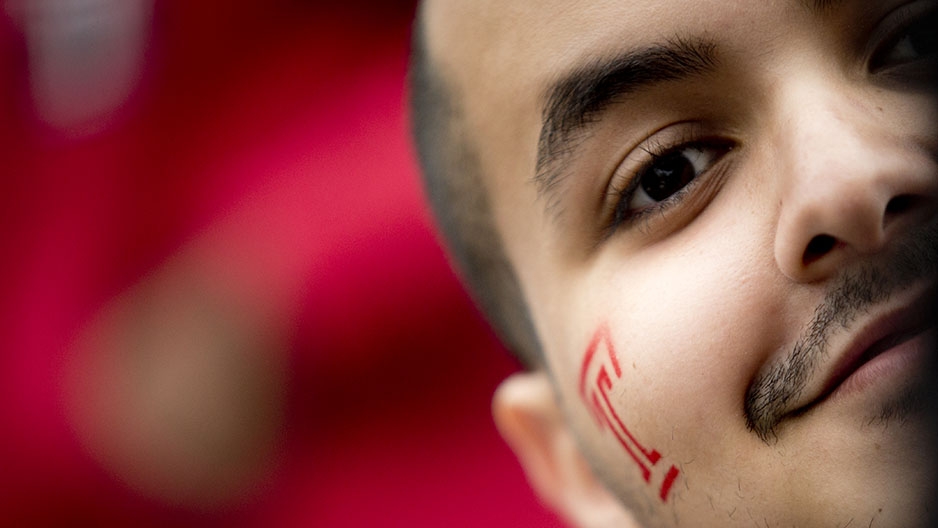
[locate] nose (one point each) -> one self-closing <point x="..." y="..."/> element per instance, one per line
<point x="850" y="182"/>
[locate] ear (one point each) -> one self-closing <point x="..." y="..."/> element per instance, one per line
<point x="530" y="420"/>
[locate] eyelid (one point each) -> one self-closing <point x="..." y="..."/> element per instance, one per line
<point x="626" y="177"/>
<point x="892" y="27"/>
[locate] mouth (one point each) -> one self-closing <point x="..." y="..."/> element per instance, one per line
<point x="891" y="344"/>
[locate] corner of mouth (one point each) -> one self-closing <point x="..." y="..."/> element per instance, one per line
<point x="877" y="336"/>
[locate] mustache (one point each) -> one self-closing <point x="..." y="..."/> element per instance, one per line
<point x="852" y="294"/>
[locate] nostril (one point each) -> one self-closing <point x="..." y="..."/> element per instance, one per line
<point x="819" y="246"/>
<point x="899" y="204"/>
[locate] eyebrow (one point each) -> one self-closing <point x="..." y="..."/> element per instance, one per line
<point x="578" y="99"/>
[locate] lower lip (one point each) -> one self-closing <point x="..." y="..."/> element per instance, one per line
<point x="895" y="365"/>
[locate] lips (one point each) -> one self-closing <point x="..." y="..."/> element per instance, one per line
<point x="895" y="331"/>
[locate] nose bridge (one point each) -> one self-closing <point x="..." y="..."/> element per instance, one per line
<point x="845" y="178"/>
<point x="832" y="174"/>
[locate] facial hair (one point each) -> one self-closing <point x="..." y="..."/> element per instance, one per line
<point x="853" y="293"/>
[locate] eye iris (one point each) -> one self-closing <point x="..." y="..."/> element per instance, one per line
<point x="668" y="175"/>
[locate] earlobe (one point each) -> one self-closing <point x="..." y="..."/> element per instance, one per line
<point x="531" y="422"/>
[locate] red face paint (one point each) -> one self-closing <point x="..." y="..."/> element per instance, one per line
<point x="600" y="371"/>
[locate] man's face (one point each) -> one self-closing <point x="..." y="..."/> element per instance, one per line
<point x="719" y="214"/>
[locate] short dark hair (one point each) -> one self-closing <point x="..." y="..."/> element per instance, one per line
<point x="452" y="176"/>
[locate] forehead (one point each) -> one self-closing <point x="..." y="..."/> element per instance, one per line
<point x="500" y="54"/>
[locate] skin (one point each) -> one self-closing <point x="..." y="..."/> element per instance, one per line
<point x="702" y="299"/>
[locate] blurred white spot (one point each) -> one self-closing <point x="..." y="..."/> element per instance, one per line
<point x="86" y="57"/>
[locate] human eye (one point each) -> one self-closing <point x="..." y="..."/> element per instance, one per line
<point x="912" y="39"/>
<point x="663" y="180"/>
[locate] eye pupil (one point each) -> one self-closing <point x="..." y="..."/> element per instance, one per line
<point x="668" y="175"/>
<point x="923" y="42"/>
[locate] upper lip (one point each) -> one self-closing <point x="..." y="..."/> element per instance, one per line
<point x="888" y="328"/>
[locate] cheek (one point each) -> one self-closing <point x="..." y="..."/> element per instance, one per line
<point x="600" y="378"/>
<point x="696" y="324"/>
<point x="689" y="327"/>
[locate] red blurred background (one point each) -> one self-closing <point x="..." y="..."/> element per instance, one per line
<point x="222" y="299"/>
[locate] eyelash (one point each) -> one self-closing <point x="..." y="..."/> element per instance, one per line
<point x="624" y="187"/>
<point x="907" y="23"/>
